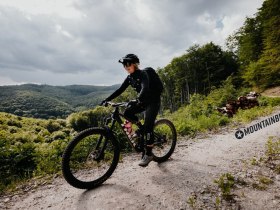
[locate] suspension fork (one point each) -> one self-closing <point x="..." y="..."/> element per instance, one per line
<point x="108" y="132"/>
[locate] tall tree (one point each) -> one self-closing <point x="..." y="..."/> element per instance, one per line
<point x="257" y="45"/>
<point x="269" y="62"/>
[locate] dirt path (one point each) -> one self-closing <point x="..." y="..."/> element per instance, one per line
<point x="272" y="92"/>
<point x="193" y="166"/>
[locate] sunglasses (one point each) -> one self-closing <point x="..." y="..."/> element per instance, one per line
<point x="125" y="62"/>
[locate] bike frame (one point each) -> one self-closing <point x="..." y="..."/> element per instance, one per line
<point x="115" y="118"/>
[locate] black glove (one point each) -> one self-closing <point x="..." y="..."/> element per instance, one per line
<point x="104" y="102"/>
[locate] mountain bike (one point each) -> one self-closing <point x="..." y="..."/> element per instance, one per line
<point x="92" y="156"/>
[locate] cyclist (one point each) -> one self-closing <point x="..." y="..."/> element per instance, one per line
<point x="149" y="88"/>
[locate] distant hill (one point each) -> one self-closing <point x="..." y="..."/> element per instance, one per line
<point x="45" y="101"/>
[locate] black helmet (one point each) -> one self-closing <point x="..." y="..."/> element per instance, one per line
<point x="129" y="58"/>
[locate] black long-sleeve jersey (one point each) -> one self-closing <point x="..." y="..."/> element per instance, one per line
<point x="140" y="81"/>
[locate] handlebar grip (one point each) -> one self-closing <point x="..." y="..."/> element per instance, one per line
<point x="106" y="103"/>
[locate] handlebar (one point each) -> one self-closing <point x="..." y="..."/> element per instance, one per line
<point x="120" y="104"/>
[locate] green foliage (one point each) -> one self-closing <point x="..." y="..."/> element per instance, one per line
<point x="266" y="106"/>
<point x="16" y="161"/>
<point x="30" y="147"/>
<point x="48" y="157"/>
<point x="248" y="40"/>
<point x="273" y="148"/>
<point x="14" y="123"/>
<point x="58" y="135"/>
<point x="225" y="183"/>
<point x="245" y="116"/>
<point x="52" y="126"/>
<point x="271" y="158"/>
<point x="219" y="96"/>
<point x="196" y="117"/>
<point x="269" y="101"/>
<point x="91" y="118"/>
<point x="257" y="45"/>
<point x="200" y="70"/>
<point x="200" y="115"/>
<point x="192" y="201"/>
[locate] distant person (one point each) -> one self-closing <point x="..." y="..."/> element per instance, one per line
<point x="149" y="87"/>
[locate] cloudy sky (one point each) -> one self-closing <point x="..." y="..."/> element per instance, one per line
<point x="80" y="41"/>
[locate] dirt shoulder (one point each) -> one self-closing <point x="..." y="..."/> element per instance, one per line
<point x="272" y="92"/>
<point x="170" y="185"/>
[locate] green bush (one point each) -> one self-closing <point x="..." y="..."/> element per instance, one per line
<point x="16" y="161"/>
<point x="267" y="101"/>
<point x="245" y="116"/>
<point x="58" y="135"/>
<point x="14" y="123"/>
<point x="23" y="137"/>
<point x="186" y="127"/>
<point x="13" y="130"/>
<point x="44" y="133"/>
<point x="48" y="157"/>
<point x="91" y="118"/>
<point x="273" y="148"/>
<point x="225" y="183"/>
<point x="219" y="96"/>
<point x="24" y="151"/>
<point x="53" y="126"/>
<point x="199" y="116"/>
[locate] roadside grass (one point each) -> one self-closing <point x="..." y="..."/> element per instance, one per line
<point x="201" y="116"/>
<point x="258" y="173"/>
<point x="267" y="163"/>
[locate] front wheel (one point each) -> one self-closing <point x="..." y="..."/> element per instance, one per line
<point x="90" y="158"/>
<point x="165" y="140"/>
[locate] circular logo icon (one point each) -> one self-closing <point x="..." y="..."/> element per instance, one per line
<point x="239" y="134"/>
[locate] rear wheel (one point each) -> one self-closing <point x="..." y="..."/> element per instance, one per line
<point x="90" y="158"/>
<point x="165" y="140"/>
